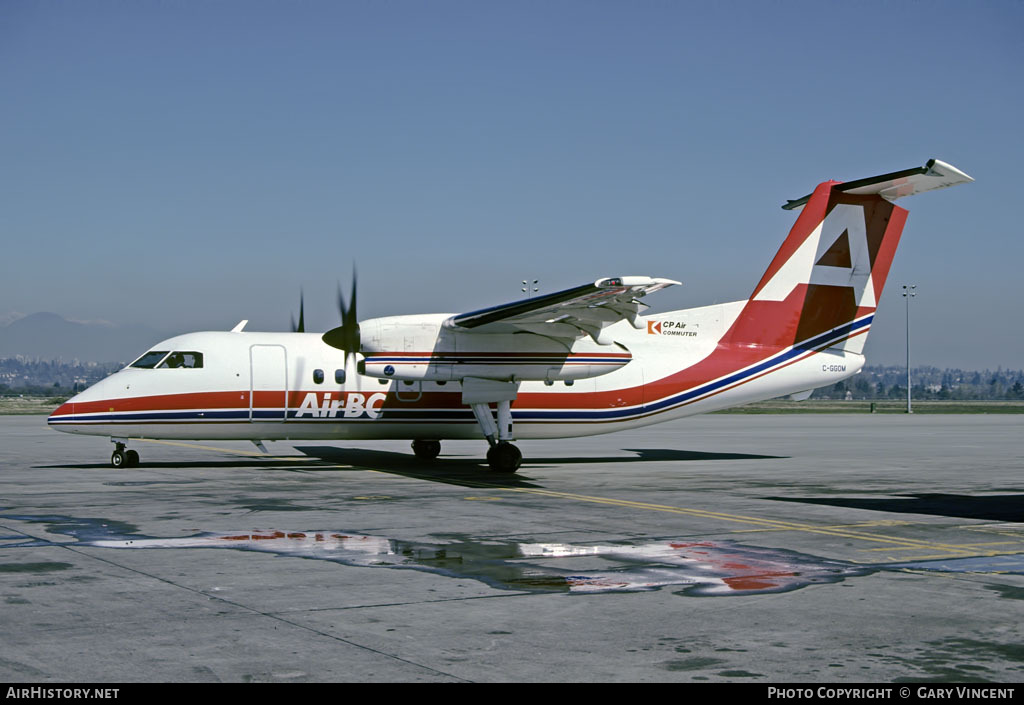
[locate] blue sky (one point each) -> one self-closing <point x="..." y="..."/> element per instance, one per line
<point x="190" y="164"/>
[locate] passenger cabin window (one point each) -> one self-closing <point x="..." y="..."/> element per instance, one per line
<point x="318" y="376"/>
<point x="339" y="376"/>
<point x="149" y="360"/>
<point x="190" y="359"/>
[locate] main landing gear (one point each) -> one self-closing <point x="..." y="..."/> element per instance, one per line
<point x="122" y="458"/>
<point x="502" y="455"/>
<point x="426" y="450"/>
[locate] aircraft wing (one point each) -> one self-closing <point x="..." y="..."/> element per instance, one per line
<point x="568" y="314"/>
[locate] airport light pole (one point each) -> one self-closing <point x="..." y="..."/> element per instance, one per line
<point x="529" y="289"/>
<point x="908" y="294"/>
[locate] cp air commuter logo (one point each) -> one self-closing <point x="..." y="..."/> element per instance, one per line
<point x="669" y="328"/>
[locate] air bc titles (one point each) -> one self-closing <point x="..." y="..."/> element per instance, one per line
<point x="350" y="405"/>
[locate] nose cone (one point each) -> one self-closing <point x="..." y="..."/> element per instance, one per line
<point x="62" y="414"/>
<point x="82" y="412"/>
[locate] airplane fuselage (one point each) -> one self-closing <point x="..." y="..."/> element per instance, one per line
<point x="291" y="386"/>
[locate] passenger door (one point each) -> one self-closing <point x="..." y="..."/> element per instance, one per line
<point x="268" y="383"/>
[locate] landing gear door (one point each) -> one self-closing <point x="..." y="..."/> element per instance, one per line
<point x="268" y="383"/>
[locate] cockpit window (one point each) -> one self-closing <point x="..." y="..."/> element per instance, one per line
<point x="189" y="359"/>
<point x="149" y="360"/>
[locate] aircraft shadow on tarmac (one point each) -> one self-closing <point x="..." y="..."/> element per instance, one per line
<point x="473" y="471"/>
<point x="255" y="463"/>
<point x="1006" y="507"/>
<point x="666" y="454"/>
<point x="462" y="471"/>
<point x="467" y="471"/>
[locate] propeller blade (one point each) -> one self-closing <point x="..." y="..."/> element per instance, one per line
<point x="346" y="336"/>
<point x="301" y="327"/>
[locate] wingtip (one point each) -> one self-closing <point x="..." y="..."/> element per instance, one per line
<point x="937" y="167"/>
<point x="612" y="282"/>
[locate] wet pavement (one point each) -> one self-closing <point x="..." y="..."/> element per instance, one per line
<point x="750" y="548"/>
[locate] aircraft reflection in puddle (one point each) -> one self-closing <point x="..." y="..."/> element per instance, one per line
<point x="701" y="568"/>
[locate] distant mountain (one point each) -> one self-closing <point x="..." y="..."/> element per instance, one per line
<point x="50" y="337"/>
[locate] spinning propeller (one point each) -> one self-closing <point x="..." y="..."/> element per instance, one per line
<point x="301" y="327"/>
<point x="346" y="336"/>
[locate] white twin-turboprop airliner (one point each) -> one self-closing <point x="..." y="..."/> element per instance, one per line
<point x="577" y="362"/>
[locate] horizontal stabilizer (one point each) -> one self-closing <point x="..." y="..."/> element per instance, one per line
<point x="933" y="175"/>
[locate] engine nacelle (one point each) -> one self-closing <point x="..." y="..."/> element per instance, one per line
<point x="420" y="348"/>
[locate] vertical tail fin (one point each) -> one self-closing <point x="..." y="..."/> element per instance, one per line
<point x="823" y="286"/>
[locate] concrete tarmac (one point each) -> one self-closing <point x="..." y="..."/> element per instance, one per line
<point x="773" y="549"/>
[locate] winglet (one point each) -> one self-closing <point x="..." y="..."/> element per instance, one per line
<point x="240" y="326"/>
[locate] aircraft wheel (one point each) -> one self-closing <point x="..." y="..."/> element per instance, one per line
<point x="118" y="459"/>
<point x="504" y="457"/>
<point x="426" y="450"/>
<point x="131" y="458"/>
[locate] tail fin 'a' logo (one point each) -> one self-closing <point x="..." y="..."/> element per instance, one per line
<point x="836" y="254"/>
<point x="828" y="275"/>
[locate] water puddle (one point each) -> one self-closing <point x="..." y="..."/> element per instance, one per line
<point x="701" y="568"/>
<point x="694" y="568"/>
<point x="705" y="568"/>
